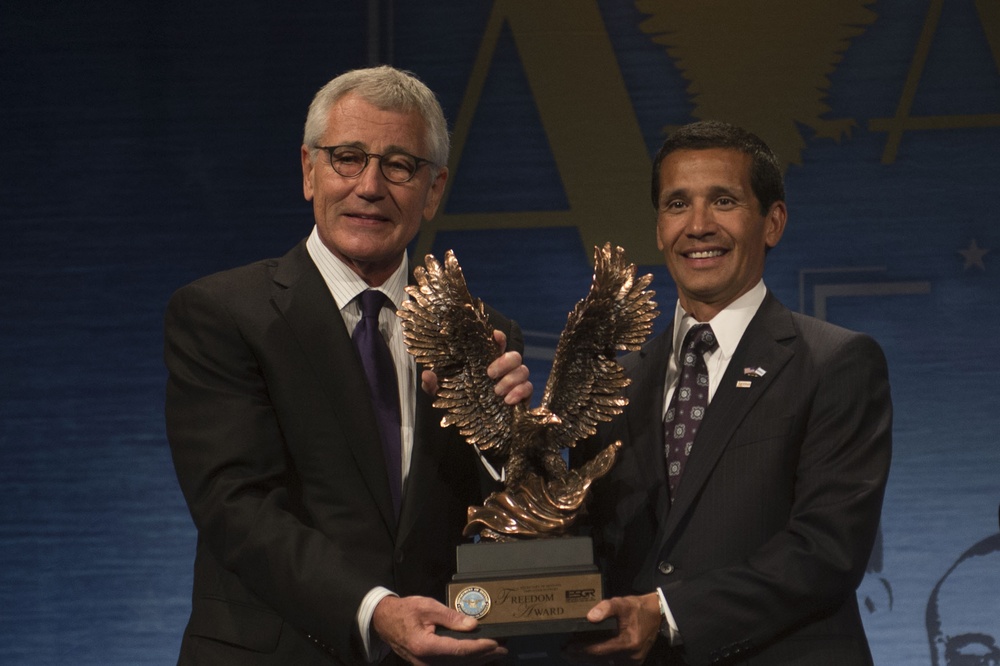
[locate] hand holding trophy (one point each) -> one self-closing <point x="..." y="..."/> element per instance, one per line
<point x="528" y="582"/>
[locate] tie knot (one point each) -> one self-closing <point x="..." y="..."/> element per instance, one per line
<point x="372" y="301"/>
<point x="700" y="339"/>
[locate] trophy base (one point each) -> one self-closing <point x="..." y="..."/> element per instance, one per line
<point x="533" y="596"/>
<point x="541" y="644"/>
<point x="556" y="628"/>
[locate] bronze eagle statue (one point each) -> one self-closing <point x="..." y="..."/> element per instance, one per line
<point x="447" y="330"/>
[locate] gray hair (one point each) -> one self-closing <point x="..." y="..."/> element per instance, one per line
<point x="389" y="89"/>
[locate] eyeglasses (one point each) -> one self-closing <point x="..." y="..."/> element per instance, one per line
<point x="397" y="167"/>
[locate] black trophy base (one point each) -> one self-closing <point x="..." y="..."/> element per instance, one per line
<point x="581" y="628"/>
<point x="541" y="643"/>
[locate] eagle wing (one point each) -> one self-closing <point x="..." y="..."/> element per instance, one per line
<point x="448" y="331"/>
<point x="585" y="385"/>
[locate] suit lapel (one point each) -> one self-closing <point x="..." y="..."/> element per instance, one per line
<point x="421" y="453"/>
<point x="645" y="413"/>
<point x="426" y="448"/>
<point x="760" y="347"/>
<point x="304" y="300"/>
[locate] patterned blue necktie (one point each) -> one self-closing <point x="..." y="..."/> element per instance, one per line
<point x="689" y="402"/>
<point x="381" y="374"/>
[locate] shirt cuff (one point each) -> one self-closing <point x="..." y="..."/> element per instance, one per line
<point x="668" y="627"/>
<point x="375" y="649"/>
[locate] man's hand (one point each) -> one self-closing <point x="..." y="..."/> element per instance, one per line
<point x="638" y="627"/>
<point x="508" y="370"/>
<point x="406" y="624"/>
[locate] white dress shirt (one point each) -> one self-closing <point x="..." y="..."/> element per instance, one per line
<point x="728" y="327"/>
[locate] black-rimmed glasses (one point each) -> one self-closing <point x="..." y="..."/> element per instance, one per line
<point x="397" y="166"/>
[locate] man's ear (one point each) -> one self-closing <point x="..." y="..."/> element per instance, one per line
<point x="307" y="173"/>
<point x="774" y="223"/>
<point x="435" y="193"/>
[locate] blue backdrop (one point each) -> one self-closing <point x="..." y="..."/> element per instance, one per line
<point x="146" y="144"/>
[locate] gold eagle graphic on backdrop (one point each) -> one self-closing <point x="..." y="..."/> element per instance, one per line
<point x="762" y="65"/>
<point x="447" y="331"/>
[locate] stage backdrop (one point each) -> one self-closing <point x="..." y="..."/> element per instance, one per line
<point x="148" y="143"/>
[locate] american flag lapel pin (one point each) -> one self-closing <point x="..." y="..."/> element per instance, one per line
<point x="750" y="372"/>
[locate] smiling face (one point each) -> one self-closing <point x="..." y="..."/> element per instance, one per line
<point x="710" y="228"/>
<point x="366" y="221"/>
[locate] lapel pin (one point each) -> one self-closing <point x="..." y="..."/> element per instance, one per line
<point x="750" y="372"/>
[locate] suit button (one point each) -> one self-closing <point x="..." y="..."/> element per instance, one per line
<point x="665" y="568"/>
<point x="399" y="557"/>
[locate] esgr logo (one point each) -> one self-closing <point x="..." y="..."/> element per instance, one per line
<point x="578" y="596"/>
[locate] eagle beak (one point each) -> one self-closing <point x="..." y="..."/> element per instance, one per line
<point x="543" y="416"/>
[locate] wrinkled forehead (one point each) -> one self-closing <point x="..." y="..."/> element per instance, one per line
<point x="353" y="120"/>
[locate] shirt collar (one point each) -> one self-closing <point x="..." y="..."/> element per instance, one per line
<point x="345" y="284"/>
<point x="729" y="325"/>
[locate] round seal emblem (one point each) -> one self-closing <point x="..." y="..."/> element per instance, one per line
<point x="473" y="601"/>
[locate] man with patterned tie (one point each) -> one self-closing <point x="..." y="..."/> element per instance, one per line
<point x="328" y="500"/>
<point x="738" y="521"/>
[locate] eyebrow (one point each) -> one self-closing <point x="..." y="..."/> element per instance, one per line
<point x="735" y="192"/>
<point x="713" y="191"/>
<point x="392" y="148"/>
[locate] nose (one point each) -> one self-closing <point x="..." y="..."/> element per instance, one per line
<point x="370" y="183"/>
<point x="702" y="221"/>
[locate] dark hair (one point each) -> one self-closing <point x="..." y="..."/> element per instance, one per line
<point x="765" y="174"/>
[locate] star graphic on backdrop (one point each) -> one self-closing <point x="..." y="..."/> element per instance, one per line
<point x="974" y="255"/>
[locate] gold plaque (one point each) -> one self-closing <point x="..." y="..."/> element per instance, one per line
<point x="511" y="600"/>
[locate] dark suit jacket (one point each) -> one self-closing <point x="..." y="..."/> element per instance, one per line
<point x="775" y="516"/>
<point x="276" y="449"/>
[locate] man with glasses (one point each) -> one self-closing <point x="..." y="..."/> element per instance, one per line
<point x="328" y="500"/>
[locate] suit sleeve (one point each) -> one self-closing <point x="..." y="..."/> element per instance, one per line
<point x="818" y="558"/>
<point x="233" y="468"/>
